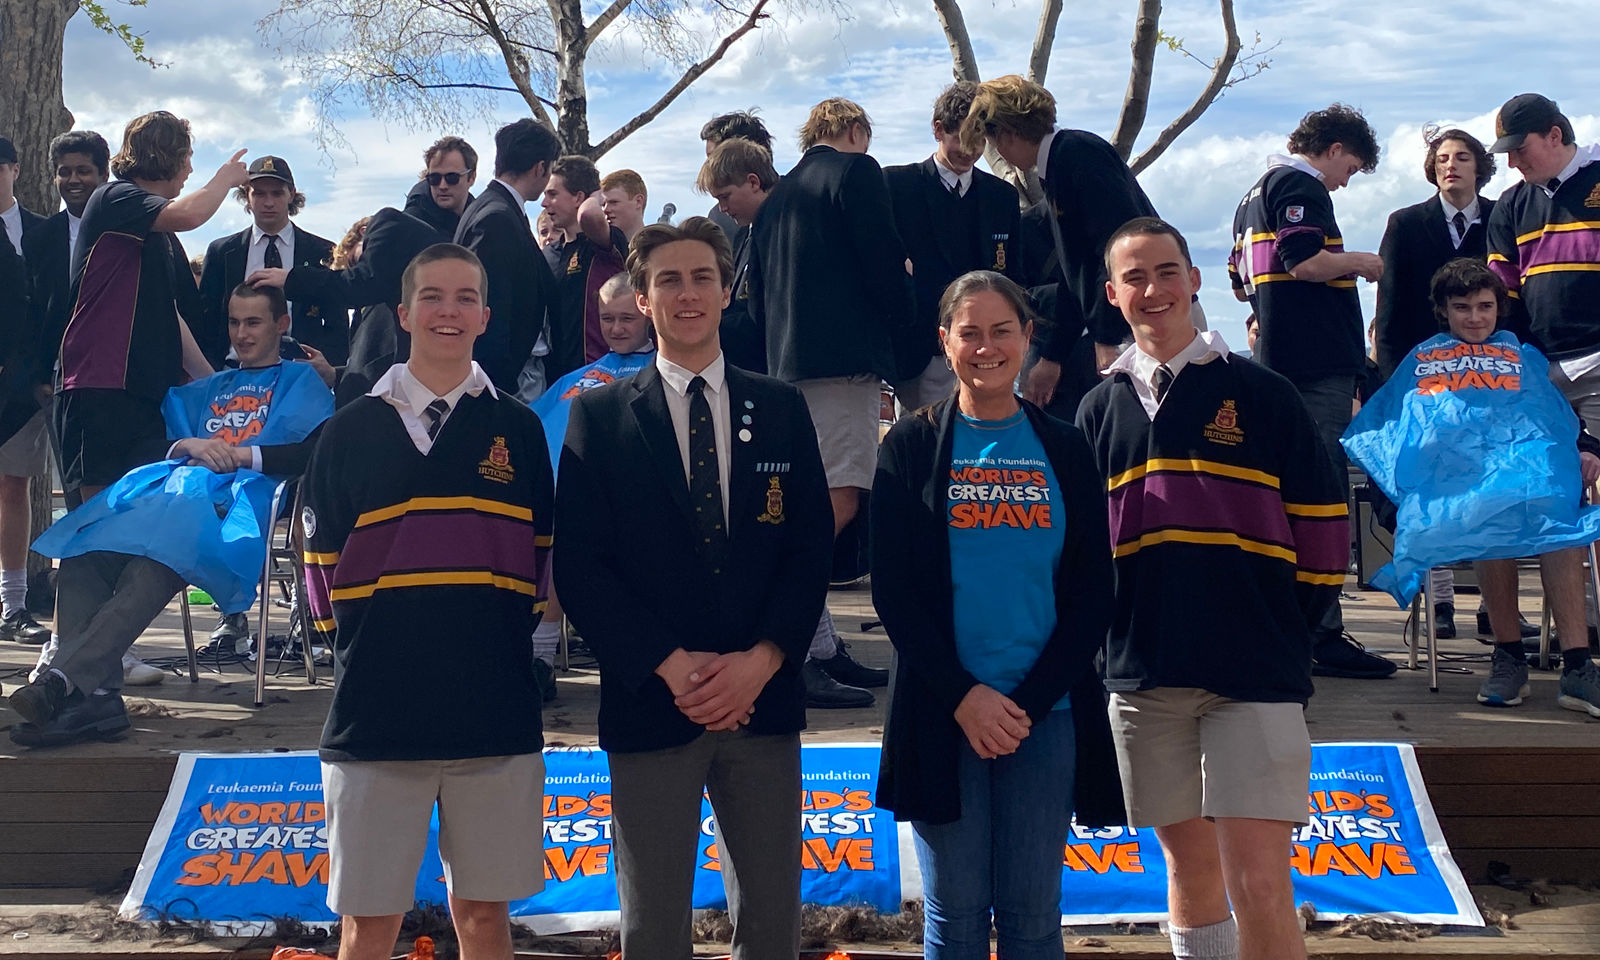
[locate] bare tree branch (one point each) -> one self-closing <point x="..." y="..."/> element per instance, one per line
<point x="1044" y="40"/>
<point x="604" y="20"/>
<point x="1208" y="95"/>
<point x="751" y="21"/>
<point x="964" y="60"/>
<point x="1136" y="101"/>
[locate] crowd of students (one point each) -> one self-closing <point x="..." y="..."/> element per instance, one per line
<point x="1076" y="463"/>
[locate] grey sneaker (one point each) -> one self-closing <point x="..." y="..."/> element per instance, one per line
<point x="1580" y="690"/>
<point x="1508" y="681"/>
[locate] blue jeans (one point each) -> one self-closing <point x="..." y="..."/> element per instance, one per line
<point x="1003" y="858"/>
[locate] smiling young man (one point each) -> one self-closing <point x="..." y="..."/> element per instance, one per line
<point x="432" y="498"/>
<point x="1290" y="263"/>
<point x="443" y="190"/>
<point x="590" y="252"/>
<point x="1216" y="474"/>
<point x="695" y="546"/>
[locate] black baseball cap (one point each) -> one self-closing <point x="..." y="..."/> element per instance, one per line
<point x="275" y="167"/>
<point x="8" y="150"/>
<point x="1523" y="114"/>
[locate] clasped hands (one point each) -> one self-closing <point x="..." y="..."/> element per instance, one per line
<point x="995" y="726"/>
<point x="218" y="456"/>
<point x="718" y="690"/>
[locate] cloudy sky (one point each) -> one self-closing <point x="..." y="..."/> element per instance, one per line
<point x="1403" y="62"/>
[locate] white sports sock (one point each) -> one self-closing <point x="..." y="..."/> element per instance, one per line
<point x="546" y="640"/>
<point x="13" y="591"/>
<point x="1214" y="941"/>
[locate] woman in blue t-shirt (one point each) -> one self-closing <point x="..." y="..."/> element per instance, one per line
<point x="991" y="569"/>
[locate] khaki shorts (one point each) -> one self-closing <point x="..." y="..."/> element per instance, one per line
<point x="1187" y="753"/>
<point x="845" y="412"/>
<point x="27" y="452"/>
<point x="491" y="830"/>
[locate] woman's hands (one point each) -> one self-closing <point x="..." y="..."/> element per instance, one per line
<point x="994" y="725"/>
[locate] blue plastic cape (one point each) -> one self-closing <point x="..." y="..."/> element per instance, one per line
<point x="209" y="527"/>
<point x="1478" y="451"/>
<point x="554" y="406"/>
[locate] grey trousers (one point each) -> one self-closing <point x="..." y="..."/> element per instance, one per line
<point x="754" y="786"/>
<point x="104" y="601"/>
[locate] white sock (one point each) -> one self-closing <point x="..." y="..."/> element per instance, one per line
<point x="47" y="653"/>
<point x="1214" y="941"/>
<point x="13" y="591"/>
<point x="546" y="640"/>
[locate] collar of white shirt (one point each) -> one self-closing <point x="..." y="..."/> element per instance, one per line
<point x="677" y="378"/>
<point x="285" y="236"/>
<point x="1042" y="164"/>
<point x="1470" y="211"/>
<point x="12" y="218"/>
<point x="950" y="178"/>
<point x="1206" y="346"/>
<point x="1581" y="158"/>
<point x="403" y="391"/>
<point x="1297" y="161"/>
<point x="515" y="195"/>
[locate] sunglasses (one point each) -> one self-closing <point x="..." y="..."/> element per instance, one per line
<point x="434" y="179"/>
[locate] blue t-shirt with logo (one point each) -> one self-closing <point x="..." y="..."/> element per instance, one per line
<point x="1006" y="534"/>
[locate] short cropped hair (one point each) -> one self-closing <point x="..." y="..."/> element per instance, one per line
<point x="1483" y="159"/>
<point x="1008" y="104"/>
<point x="833" y="118"/>
<point x="154" y="147"/>
<point x="450" y="144"/>
<point x="981" y="281"/>
<point x="1319" y="130"/>
<point x="953" y="104"/>
<point x="618" y="286"/>
<point x="578" y="174"/>
<point x="1147" y="227"/>
<point x="276" y="305"/>
<point x="661" y="234"/>
<point x="1463" y="277"/>
<point x="297" y="199"/>
<point x="85" y="142"/>
<point x="626" y="180"/>
<point x="743" y="124"/>
<point x="434" y="254"/>
<point x="523" y="145"/>
<point x="731" y="161"/>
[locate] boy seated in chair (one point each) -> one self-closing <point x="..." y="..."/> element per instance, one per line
<point x="195" y="513"/>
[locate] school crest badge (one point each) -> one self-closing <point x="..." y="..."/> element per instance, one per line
<point x="999" y="256"/>
<point x="572" y="265"/>
<point x="1295" y="213"/>
<point x="774" y="510"/>
<point x="1593" y="199"/>
<point x="1224" y="427"/>
<point x="496" y="464"/>
<point x="308" y="522"/>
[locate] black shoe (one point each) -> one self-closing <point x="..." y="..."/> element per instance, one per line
<point x="22" y="628"/>
<point x="82" y="718"/>
<point x="545" y="674"/>
<point x="1444" y="620"/>
<point x="230" y="626"/>
<point x="844" y="668"/>
<point x="1342" y="656"/>
<point x="826" y="693"/>
<point x="41" y="700"/>
<point x="1527" y="629"/>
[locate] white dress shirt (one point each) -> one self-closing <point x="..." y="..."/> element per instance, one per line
<point x="74" y="224"/>
<point x="1140" y="367"/>
<point x="1470" y="211"/>
<point x="12" y="218"/>
<point x="675" y="380"/>
<point x="960" y="182"/>
<point x="401" y="389"/>
<point x="255" y="257"/>
<point x="1042" y="164"/>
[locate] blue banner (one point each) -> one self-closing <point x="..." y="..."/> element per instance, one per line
<point x="1477" y="450"/>
<point x="242" y="838"/>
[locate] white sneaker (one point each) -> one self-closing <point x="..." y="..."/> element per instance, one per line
<point x="137" y="673"/>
